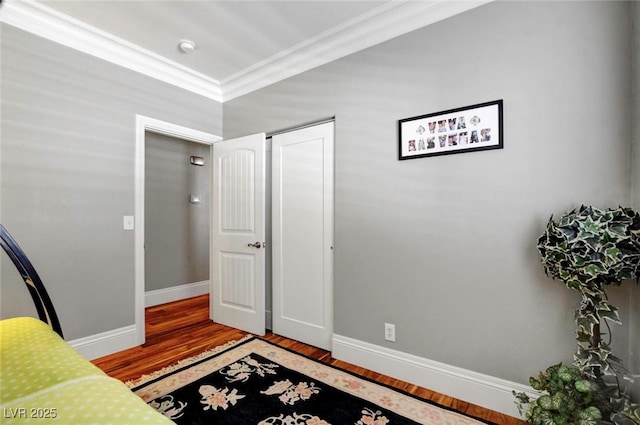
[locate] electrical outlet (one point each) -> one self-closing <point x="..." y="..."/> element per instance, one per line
<point x="390" y="332"/>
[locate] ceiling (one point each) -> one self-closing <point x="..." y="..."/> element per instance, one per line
<point x="230" y="36"/>
<point x="241" y="45"/>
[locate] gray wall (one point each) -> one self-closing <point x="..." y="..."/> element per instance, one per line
<point x="176" y="231"/>
<point x="634" y="329"/>
<point x="444" y="247"/>
<point x="67" y="174"/>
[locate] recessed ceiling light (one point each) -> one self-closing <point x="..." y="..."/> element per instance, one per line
<point x="186" y="46"/>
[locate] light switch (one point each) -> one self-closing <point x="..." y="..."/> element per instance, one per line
<point x="128" y="222"/>
<point x="194" y="199"/>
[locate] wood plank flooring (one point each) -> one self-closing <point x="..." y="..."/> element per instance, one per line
<point x="182" y="329"/>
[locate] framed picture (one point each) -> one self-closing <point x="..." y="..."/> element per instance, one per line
<point x="472" y="128"/>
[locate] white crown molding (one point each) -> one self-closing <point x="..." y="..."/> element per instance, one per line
<point x="390" y="20"/>
<point x="48" y="23"/>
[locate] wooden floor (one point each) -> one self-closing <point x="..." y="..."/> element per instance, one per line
<point x="182" y="329"/>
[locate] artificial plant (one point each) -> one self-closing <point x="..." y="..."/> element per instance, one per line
<point x="568" y="398"/>
<point x="589" y="249"/>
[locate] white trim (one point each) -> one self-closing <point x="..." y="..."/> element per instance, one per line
<point x="476" y="388"/>
<point x="390" y="20"/>
<point x="48" y="23"/>
<point x="175" y="293"/>
<point x="144" y="124"/>
<point x="103" y="344"/>
<point x="383" y="23"/>
<point x="173" y="130"/>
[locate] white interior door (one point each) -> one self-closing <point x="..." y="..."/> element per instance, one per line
<point x="238" y="234"/>
<point x="302" y="234"/>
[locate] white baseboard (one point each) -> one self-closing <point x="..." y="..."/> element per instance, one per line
<point x="473" y="387"/>
<point x="103" y="344"/>
<point x="175" y="293"/>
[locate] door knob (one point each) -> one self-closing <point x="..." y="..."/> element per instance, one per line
<point x="255" y="245"/>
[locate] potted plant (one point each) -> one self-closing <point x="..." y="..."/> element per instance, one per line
<point x="588" y="249"/>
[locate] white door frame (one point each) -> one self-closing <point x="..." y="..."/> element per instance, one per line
<point x="144" y="125"/>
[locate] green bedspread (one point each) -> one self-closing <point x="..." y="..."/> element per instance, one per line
<point x="44" y="380"/>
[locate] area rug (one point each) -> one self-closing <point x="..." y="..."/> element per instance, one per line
<point x="254" y="382"/>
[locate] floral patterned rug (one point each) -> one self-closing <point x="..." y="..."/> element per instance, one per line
<point x="254" y="382"/>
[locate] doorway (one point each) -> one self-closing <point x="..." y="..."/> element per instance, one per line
<point x="144" y="126"/>
<point x="177" y="208"/>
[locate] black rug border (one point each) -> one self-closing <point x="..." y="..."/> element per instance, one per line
<point x="355" y="375"/>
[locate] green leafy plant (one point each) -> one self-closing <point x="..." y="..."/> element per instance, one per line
<point x="589" y="249"/>
<point x="567" y="398"/>
<point x="628" y="415"/>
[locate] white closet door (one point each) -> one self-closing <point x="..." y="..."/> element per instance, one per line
<point x="302" y="233"/>
<point x="237" y="246"/>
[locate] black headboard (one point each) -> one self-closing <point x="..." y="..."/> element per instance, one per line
<point x="44" y="306"/>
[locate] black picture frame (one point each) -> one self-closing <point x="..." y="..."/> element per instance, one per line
<point x="471" y="128"/>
